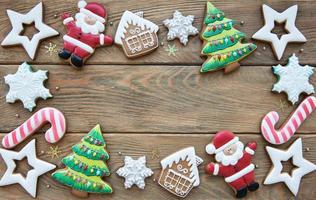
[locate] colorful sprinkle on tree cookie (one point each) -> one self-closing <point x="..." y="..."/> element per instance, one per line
<point x="85" y="167"/>
<point x="222" y="42"/>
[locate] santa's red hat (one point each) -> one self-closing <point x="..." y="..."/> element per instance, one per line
<point x="220" y="141"/>
<point x="95" y="10"/>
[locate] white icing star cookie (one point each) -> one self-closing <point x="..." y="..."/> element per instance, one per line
<point x="180" y="27"/>
<point x="271" y="16"/>
<point x="293" y="79"/>
<point x="135" y="172"/>
<point x="29" y="183"/>
<point x="17" y="20"/>
<point x="303" y="166"/>
<point x="27" y="86"/>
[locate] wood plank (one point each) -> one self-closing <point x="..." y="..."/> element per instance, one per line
<point x="157" y="11"/>
<point x="170" y="99"/>
<point x="134" y="145"/>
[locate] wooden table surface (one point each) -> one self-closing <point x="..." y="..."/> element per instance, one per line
<point x="158" y="104"/>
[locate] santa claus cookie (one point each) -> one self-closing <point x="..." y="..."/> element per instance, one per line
<point x="234" y="162"/>
<point x="136" y="35"/>
<point x="84" y="33"/>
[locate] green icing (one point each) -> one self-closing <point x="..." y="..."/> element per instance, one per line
<point x="92" y="184"/>
<point x="214" y="63"/>
<point x="213" y="14"/>
<point x="210" y="31"/>
<point x="95" y="135"/>
<point x="85" y="166"/>
<point x="90" y="151"/>
<point x="217" y="45"/>
<point x="222" y="42"/>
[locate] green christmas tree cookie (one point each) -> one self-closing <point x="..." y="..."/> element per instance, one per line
<point x="222" y="42"/>
<point x="86" y="166"/>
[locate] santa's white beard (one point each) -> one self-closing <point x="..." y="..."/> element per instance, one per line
<point x="94" y="29"/>
<point x="232" y="159"/>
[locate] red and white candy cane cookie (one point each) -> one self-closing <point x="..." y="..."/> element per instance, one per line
<point x="290" y="126"/>
<point x="41" y="117"/>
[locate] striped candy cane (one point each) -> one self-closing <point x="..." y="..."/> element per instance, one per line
<point x="41" y="117"/>
<point x="292" y="124"/>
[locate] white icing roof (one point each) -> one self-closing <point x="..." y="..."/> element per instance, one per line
<point x="131" y="18"/>
<point x="187" y="154"/>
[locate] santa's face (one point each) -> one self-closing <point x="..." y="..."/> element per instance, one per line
<point x="230" y="150"/>
<point x="89" y="24"/>
<point x="90" y="20"/>
<point x="231" y="154"/>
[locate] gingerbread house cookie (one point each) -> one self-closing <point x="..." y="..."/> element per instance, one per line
<point x="180" y="172"/>
<point x="136" y="35"/>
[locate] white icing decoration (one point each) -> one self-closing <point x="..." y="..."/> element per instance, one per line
<point x="303" y="166"/>
<point x="293" y="79"/>
<point x="180" y="27"/>
<point x="134" y="172"/>
<point x="187" y="154"/>
<point x="134" y="19"/>
<point x="17" y="20"/>
<point x="27" y="86"/>
<point x="293" y="35"/>
<point x="29" y="183"/>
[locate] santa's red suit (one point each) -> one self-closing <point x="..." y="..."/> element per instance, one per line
<point x="238" y="175"/>
<point x="78" y="42"/>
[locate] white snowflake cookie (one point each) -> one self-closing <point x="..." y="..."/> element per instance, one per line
<point x="180" y="27"/>
<point x="27" y="85"/>
<point x="293" y="79"/>
<point x="134" y="172"/>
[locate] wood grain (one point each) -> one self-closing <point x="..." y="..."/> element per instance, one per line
<point x="169" y="99"/>
<point x="158" y="104"/>
<point x="134" y="145"/>
<point x="157" y="11"/>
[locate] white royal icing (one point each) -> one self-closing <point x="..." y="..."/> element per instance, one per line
<point x="134" y="172"/>
<point x="293" y="79"/>
<point x="180" y="27"/>
<point x="29" y="183"/>
<point x="303" y="166"/>
<point x="293" y="35"/>
<point x="17" y="20"/>
<point x="27" y="86"/>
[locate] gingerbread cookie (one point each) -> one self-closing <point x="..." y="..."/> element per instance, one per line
<point x="85" y="167"/>
<point x="136" y="35"/>
<point x="234" y="162"/>
<point x="303" y="166"/>
<point x="27" y="86"/>
<point x="293" y="34"/>
<point x="39" y="167"/>
<point x="84" y="33"/>
<point x="17" y="20"/>
<point x="180" y="172"/>
<point x="134" y="172"/>
<point x="222" y="42"/>
<point x="288" y="129"/>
